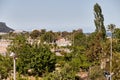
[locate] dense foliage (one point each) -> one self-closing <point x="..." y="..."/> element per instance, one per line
<point x="5" y="66"/>
<point x="37" y="53"/>
<point x="33" y="59"/>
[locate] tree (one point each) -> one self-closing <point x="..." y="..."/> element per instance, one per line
<point x="65" y="34"/>
<point x="94" y="52"/>
<point x="99" y="21"/>
<point x="48" y="37"/>
<point x="39" y="60"/>
<point x="18" y="44"/>
<point x="43" y="31"/>
<point x="111" y="27"/>
<point x="34" y="34"/>
<point x="79" y="39"/>
<point x="6" y="67"/>
<point x="33" y="59"/>
<point x="117" y="33"/>
<point x="65" y="73"/>
<point x="95" y="40"/>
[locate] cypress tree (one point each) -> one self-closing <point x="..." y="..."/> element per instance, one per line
<point x="99" y="21"/>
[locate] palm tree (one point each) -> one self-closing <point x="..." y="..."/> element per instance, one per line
<point x="111" y="27"/>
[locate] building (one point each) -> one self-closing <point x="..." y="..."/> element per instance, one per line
<point x="63" y="42"/>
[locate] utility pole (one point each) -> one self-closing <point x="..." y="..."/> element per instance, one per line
<point x="14" y="68"/>
<point x="111" y="28"/>
<point x="111" y="58"/>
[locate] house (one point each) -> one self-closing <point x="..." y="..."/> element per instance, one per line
<point x="63" y="42"/>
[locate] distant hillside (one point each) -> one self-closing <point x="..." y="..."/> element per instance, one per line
<point x="4" y="28"/>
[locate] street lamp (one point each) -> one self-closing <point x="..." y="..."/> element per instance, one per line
<point x="14" y="64"/>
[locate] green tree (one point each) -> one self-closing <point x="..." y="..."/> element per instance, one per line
<point x="39" y="60"/>
<point x="34" y="34"/>
<point x="69" y="65"/>
<point x="117" y="33"/>
<point x="65" y="34"/>
<point x="79" y="39"/>
<point x="35" y="59"/>
<point x="43" y="31"/>
<point x="95" y="40"/>
<point x="6" y="67"/>
<point x="78" y="59"/>
<point x="48" y="37"/>
<point x="18" y="44"/>
<point x="99" y="21"/>
<point x="65" y="73"/>
<point x="116" y="36"/>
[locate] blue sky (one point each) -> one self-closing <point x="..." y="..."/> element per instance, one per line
<point x="57" y="15"/>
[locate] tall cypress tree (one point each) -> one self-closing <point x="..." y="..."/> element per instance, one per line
<point x="99" y="21"/>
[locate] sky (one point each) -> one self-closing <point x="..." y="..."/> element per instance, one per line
<point x="57" y="15"/>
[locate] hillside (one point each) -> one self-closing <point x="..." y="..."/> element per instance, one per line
<point x="4" y="28"/>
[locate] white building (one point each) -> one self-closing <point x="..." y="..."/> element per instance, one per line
<point x="63" y="42"/>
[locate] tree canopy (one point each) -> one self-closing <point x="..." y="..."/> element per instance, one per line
<point x="35" y="57"/>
